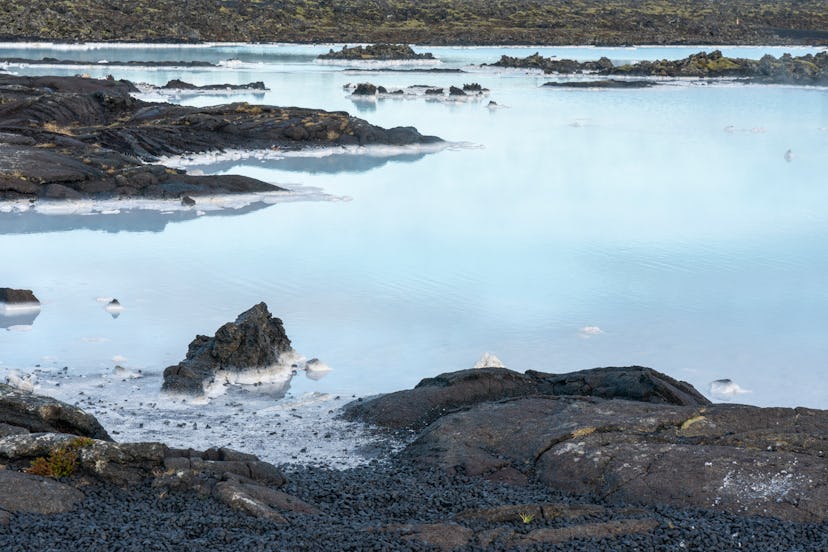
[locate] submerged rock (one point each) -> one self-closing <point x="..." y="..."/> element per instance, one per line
<point x="255" y="340"/>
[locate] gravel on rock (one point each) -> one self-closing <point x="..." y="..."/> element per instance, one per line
<point x="363" y="508"/>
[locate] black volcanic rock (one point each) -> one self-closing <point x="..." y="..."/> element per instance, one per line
<point x="808" y="69"/>
<point x="11" y="296"/>
<point x="70" y="137"/>
<point x="255" y="340"/>
<point x="176" y="84"/>
<point x="37" y="413"/>
<point x="435" y="397"/>
<point x="602" y="83"/>
<point x="376" y="52"/>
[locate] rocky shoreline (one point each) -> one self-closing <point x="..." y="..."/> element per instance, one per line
<point x="610" y="458"/>
<point x="799" y="70"/>
<point x="621" y="458"/>
<point x="74" y="137"/>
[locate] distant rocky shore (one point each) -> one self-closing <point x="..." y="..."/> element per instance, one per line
<point x="808" y="69"/>
<point x="554" y="22"/>
<point x="73" y="137"/>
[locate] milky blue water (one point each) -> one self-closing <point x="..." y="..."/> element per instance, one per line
<point x="570" y="229"/>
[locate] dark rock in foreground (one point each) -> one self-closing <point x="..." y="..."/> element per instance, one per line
<point x="802" y="70"/>
<point x="435" y="397"/>
<point x="9" y="296"/>
<point x="625" y="435"/>
<point x="376" y="52"/>
<point x="22" y="412"/>
<point x="255" y="340"/>
<point x="71" y="137"/>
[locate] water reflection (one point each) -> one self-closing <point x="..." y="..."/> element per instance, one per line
<point x="310" y="164"/>
<point x="17" y="318"/>
<point x="135" y="220"/>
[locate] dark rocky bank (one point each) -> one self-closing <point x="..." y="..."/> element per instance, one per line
<point x="800" y="70"/>
<point x="559" y="22"/>
<point x="72" y="137"/>
<point x="611" y="458"/>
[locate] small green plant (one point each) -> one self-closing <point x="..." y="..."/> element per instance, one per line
<point x="526" y="517"/>
<point x="62" y="461"/>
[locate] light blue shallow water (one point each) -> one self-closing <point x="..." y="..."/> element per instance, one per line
<point x="668" y="218"/>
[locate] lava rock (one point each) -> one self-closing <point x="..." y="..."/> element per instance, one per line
<point x="37" y="413"/>
<point x="11" y="296"/>
<point x="256" y="339"/>
<point x="434" y="397"/>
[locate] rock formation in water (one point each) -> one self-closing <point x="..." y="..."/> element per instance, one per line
<point x="803" y="70"/>
<point x="255" y="340"/>
<point x="72" y="137"/>
<point x="9" y="296"/>
<point x="376" y="52"/>
<point x="624" y="434"/>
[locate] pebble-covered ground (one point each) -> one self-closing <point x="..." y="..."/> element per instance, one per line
<point x="359" y="506"/>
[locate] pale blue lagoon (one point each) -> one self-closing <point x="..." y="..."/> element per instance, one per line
<point x="563" y="230"/>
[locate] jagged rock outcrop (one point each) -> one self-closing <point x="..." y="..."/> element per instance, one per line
<point x="22" y="412"/>
<point x="255" y="340"/>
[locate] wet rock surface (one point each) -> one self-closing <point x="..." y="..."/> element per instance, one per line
<point x="72" y="137"/>
<point x="808" y="69"/>
<point x="255" y="340"/>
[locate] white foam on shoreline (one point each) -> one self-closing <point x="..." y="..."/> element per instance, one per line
<point x="300" y="428"/>
<point x="205" y="204"/>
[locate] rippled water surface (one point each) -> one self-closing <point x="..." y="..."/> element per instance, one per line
<point x="566" y="229"/>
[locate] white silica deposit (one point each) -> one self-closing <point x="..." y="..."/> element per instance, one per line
<point x="267" y="420"/>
